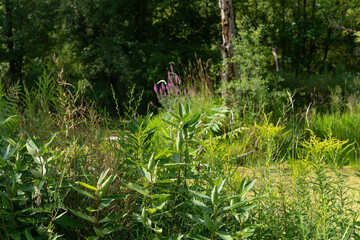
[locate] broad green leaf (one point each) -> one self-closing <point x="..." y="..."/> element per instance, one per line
<point x="99" y="232"/>
<point x="233" y="197"/>
<point x="202" y="205"/>
<point x="197" y="237"/>
<point x="93" y="238"/>
<point x="28" y="236"/>
<point x="145" y="174"/>
<point x="187" y="108"/>
<point x="185" y="118"/>
<point x="112" y="218"/>
<point x="248" y="207"/>
<point x="221" y="185"/>
<point x="111" y="229"/>
<point x="88" y="186"/>
<point x="179" y="141"/>
<point x="245" y="233"/>
<point x="36" y="173"/>
<point x="207" y="221"/>
<point x="5" y="201"/>
<point x="159" y="204"/>
<point x="104" y="187"/>
<point x="151" y="163"/>
<point x="224" y="235"/>
<point x="102" y="176"/>
<point x="82" y="215"/>
<point x="201" y="195"/>
<point x="84" y="192"/>
<point x="196" y="219"/>
<point x="250" y="185"/>
<point x="32" y="148"/>
<point x="215" y="195"/>
<point x="218" y="222"/>
<point x="181" y="109"/>
<point x="192" y="121"/>
<point x="9" y="151"/>
<point x="138" y="188"/>
<point x="234" y="206"/>
<point x="60" y="215"/>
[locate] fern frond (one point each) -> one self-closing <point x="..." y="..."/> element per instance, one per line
<point x="8" y="108"/>
<point x="9" y="123"/>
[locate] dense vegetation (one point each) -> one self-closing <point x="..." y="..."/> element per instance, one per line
<point x="112" y="125"/>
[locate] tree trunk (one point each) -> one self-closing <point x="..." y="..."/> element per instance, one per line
<point x="277" y="59"/>
<point x="228" y="36"/>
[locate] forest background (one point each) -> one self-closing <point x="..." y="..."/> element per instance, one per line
<point x="123" y="43"/>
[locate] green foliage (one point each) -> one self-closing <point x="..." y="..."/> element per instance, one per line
<point x="31" y="199"/>
<point x="101" y="225"/>
<point x="329" y="150"/>
<point x="235" y="205"/>
<point x="9" y="119"/>
<point x="249" y="93"/>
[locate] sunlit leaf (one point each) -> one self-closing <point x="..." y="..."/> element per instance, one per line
<point x="88" y="186"/>
<point x="138" y="188"/>
<point x="224" y="235"/>
<point x="201" y="195"/>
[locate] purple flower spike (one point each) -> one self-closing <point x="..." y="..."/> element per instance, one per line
<point x="169" y="76"/>
<point x="164" y="94"/>
<point x="151" y="103"/>
<point x="185" y="91"/>
<point x="160" y="91"/>
<point x="176" y="79"/>
<point x="162" y="86"/>
<point x="155" y="89"/>
<point x="171" y="68"/>
<point x="194" y="94"/>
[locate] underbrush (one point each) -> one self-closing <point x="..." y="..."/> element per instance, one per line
<point x="194" y="171"/>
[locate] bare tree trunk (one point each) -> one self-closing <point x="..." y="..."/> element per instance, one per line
<point x="277" y="59"/>
<point x="228" y="36"/>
